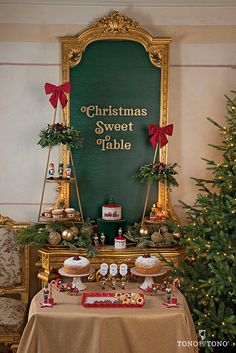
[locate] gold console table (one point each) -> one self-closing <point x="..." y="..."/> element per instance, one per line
<point x="52" y="258"/>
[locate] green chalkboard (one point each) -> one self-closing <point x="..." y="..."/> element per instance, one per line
<point x="115" y="95"/>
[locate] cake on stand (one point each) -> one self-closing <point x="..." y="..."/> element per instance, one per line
<point x="148" y="279"/>
<point x="76" y="278"/>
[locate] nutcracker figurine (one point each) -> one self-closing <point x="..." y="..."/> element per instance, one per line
<point x="102" y="238"/>
<point x="45" y="294"/>
<point x="96" y="240"/>
<point x="168" y="297"/>
<point x="51" y="170"/>
<point x="60" y="170"/>
<point x="68" y="171"/>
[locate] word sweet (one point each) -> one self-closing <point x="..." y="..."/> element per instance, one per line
<point x="101" y="127"/>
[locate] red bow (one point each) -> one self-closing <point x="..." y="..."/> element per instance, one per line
<point x="58" y="93"/>
<point x="159" y="134"/>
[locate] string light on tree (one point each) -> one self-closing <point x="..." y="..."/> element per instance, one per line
<point x="209" y="238"/>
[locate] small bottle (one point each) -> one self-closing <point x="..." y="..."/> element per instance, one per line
<point x="120" y="240"/>
<point x="60" y="170"/>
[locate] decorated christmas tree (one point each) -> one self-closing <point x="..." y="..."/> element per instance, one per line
<point x="208" y="274"/>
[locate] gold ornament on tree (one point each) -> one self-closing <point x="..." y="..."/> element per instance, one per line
<point x="164" y="229"/>
<point x="54" y="238"/>
<point x="143" y="232"/>
<point x="177" y="235"/>
<point x="75" y="231"/>
<point x="67" y="234"/>
<point x="86" y="229"/>
<point x="156" y="237"/>
<point x="167" y="236"/>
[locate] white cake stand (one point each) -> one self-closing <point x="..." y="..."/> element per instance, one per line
<point x="148" y="280"/>
<point x="76" y="278"/>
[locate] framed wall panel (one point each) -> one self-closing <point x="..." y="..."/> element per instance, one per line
<point x="119" y="78"/>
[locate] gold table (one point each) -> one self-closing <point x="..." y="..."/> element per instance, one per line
<point x="51" y="259"/>
<point x="70" y="327"/>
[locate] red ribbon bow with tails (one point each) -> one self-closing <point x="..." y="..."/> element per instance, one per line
<point x="58" y="92"/>
<point x="158" y="134"/>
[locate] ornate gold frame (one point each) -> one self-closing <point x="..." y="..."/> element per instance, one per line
<point x="119" y="27"/>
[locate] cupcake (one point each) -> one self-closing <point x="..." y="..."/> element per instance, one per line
<point x="58" y="213"/>
<point x="70" y="212"/>
<point x="48" y="212"/>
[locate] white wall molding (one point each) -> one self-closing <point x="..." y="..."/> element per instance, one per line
<point x="146" y="16"/>
<point x="136" y="3"/>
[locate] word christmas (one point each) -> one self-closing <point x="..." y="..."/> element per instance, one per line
<point x="106" y="142"/>
<point x="95" y="110"/>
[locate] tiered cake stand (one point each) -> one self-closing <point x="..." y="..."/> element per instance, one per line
<point x="148" y="279"/>
<point x="76" y="278"/>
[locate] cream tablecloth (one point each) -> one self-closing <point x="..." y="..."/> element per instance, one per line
<point x="69" y="327"/>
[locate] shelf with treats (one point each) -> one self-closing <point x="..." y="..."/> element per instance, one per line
<point x="63" y="218"/>
<point x="76" y="218"/>
<point x="60" y="180"/>
<point x="148" y="221"/>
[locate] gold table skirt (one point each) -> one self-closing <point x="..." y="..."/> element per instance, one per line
<point x="69" y="327"/>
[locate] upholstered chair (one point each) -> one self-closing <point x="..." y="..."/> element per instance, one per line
<point x="14" y="284"/>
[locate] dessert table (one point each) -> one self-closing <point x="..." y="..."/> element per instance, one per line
<point x="71" y="327"/>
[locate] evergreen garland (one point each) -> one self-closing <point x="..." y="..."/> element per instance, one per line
<point x="158" y="172"/>
<point x="34" y="234"/>
<point x="56" y="134"/>
<point x="133" y="235"/>
<point x="37" y="235"/>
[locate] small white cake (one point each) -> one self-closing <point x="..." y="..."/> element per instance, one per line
<point x="70" y="212"/>
<point x="111" y="212"/>
<point x="48" y="212"/>
<point x="76" y="265"/>
<point x="147" y="264"/>
<point x="58" y="213"/>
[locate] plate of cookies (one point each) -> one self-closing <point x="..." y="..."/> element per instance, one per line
<point x="112" y="300"/>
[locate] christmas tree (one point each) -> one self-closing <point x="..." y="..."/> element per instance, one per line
<point x="208" y="273"/>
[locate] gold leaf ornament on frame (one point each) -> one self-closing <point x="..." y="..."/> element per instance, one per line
<point x="74" y="56"/>
<point x="156" y="57"/>
<point x="116" y="23"/>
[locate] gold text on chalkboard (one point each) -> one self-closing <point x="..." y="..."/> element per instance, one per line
<point x="94" y="110"/>
<point x="113" y="144"/>
<point x="103" y="127"/>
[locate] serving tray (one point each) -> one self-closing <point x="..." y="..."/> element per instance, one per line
<point x="107" y="300"/>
